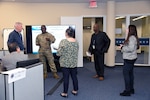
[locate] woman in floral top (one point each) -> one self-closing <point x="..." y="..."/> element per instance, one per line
<point x="68" y="52"/>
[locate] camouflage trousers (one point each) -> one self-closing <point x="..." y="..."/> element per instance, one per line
<point x="46" y="55"/>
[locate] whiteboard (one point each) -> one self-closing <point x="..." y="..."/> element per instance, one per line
<point x="6" y="32"/>
<point x="58" y="31"/>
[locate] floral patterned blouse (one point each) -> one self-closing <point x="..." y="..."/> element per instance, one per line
<point x="68" y="52"/>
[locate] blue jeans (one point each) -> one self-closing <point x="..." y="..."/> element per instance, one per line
<point x="128" y="74"/>
<point x="66" y="73"/>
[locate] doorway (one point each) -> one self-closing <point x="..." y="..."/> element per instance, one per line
<point x="88" y="23"/>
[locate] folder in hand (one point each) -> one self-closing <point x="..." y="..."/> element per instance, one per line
<point x="88" y="54"/>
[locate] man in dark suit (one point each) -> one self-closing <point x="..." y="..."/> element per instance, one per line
<point x="99" y="45"/>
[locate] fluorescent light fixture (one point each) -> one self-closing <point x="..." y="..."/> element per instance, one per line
<point x="137" y="18"/>
<point x="120" y="17"/>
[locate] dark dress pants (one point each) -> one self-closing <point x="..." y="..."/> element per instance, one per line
<point x="66" y="73"/>
<point x="128" y="74"/>
<point x="99" y="64"/>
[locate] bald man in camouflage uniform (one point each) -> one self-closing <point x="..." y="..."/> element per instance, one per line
<point x="44" y="41"/>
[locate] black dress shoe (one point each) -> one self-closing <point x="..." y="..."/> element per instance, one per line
<point x="125" y="93"/>
<point x="132" y="91"/>
<point x="63" y="95"/>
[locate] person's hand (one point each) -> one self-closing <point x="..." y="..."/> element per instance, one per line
<point x="55" y="48"/>
<point x="47" y="39"/>
<point x="120" y="47"/>
<point x="88" y="54"/>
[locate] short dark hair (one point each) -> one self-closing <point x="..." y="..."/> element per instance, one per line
<point x="70" y="32"/>
<point x="12" y="47"/>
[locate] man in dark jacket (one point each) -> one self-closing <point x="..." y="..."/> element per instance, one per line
<point x="99" y="45"/>
<point x="16" y="36"/>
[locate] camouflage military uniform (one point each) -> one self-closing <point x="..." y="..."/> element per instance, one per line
<point x="45" y="51"/>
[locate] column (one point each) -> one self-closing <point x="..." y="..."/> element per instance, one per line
<point x="110" y="30"/>
<point x="127" y="24"/>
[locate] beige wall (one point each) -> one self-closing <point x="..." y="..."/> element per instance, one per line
<point x="41" y="13"/>
<point x="50" y="13"/>
<point x="86" y="40"/>
<point x="136" y="7"/>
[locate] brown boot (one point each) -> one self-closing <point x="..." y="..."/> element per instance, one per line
<point x="55" y="75"/>
<point x="45" y="76"/>
<point x="101" y="78"/>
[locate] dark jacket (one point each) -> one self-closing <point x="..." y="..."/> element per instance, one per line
<point x="15" y="37"/>
<point x="101" y="43"/>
